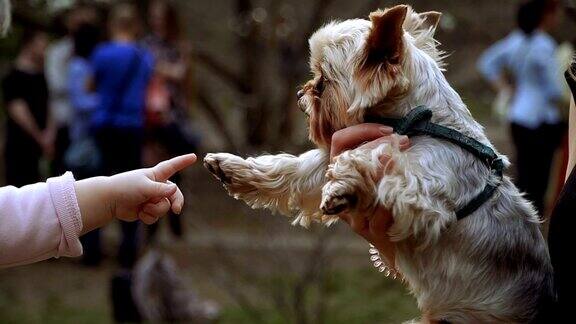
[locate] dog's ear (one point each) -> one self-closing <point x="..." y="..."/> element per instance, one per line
<point x="431" y="19"/>
<point x="384" y="42"/>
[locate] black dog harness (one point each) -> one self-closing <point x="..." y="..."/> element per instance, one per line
<point x="417" y="122"/>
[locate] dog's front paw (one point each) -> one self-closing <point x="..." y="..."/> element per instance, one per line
<point x="233" y="171"/>
<point x="214" y="163"/>
<point x="337" y="198"/>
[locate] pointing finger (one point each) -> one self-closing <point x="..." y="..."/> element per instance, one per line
<point x="166" y="169"/>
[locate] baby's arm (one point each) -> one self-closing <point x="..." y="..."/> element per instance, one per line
<point x="39" y="221"/>
<point x="44" y="220"/>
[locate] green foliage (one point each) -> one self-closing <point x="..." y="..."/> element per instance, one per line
<point x="352" y="296"/>
<point x="53" y="309"/>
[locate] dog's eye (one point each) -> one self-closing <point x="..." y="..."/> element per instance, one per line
<point x="320" y="85"/>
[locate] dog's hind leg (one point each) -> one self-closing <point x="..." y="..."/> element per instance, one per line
<point x="285" y="183"/>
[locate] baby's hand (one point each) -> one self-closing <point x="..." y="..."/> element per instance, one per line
<point x="146" y="194"/>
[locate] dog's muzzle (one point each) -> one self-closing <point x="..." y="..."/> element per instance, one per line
<point x="300" y="94"/>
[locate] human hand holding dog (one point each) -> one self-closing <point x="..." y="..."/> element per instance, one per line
<point x="375" y="228"/>
<point x="144" y="194"/>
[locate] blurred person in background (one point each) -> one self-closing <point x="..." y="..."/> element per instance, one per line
<point x="29" y="134"/>
<point x="526" y="63"/>
<point x="58" y="58"/>
<point x="168" y="125"/>
<point x="122" y="71"/>
<point x="5" y="16"/>
<point x="82" y="156"/>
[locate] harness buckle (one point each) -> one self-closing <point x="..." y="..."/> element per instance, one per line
<point x="497" y="164"/>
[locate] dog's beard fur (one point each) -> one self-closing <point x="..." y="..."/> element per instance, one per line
<point x="492" y="266"/>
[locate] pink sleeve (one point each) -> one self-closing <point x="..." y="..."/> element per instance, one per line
<point x="39" y="221"/>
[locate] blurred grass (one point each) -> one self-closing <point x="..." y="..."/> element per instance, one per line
<point x="354" y="296"/>
<point x="360" y="295"/>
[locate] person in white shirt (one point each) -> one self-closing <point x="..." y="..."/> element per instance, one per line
<point x="58" y="58"/>
<point x="526" y="63"/>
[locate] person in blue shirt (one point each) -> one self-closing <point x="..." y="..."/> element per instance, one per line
<point x="122" y="70"/>
<point x="526" y="61"/>
<point x="83" y="99"/>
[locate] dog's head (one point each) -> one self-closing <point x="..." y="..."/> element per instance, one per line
<point x="357" y="64"/>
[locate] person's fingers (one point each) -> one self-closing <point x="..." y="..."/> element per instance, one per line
<point x="373" y="229"/>
<point x="166" y="169"/>
<point x="158" y="209"/>
<point x="147" y="218"/>
<point x="353" y="136"/>
<point x="380" y="222"/>
<point x="360" y="225"/>
<point x="177" y="201"/>
<point x="152" y="211"/>
<point x="375" y="143"/>
<point x="345" y="217"/>
<point x="404" y="142"/>
<point x="386" y="161"/>
<point x="155" y="190"/>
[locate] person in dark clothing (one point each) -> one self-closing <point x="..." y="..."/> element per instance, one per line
<point x="526" y="57"/>
<point x="561" y="221"/>
<point x="122" y="71"/>
<point x="28" y="132"/>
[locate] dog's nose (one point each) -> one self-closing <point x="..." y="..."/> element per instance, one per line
<point x="300" y="94"/>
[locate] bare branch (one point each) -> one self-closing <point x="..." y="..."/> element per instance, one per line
<point x="221" y="70"/>
<point x="318" y="11"/>
<point x="314" y="267"/>
<point x="369" y="7"/>
<point x="239" y="297"/>
<point x="214" y="114"/>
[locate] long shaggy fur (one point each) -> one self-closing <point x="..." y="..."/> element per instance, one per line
<point x="492" y="266"/>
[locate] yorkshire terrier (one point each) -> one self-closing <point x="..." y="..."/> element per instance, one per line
<point x="489" y="267"/>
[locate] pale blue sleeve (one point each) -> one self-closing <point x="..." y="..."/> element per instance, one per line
<point x="549" y="70"/>
<point x="493" y="61"/>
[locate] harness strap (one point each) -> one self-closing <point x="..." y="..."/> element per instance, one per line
<point x="417" y="122"/>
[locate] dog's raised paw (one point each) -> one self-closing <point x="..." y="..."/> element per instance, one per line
<point x="212" y="163"/>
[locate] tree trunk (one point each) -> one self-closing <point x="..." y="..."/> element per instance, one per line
<point x="256" y="105"/>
